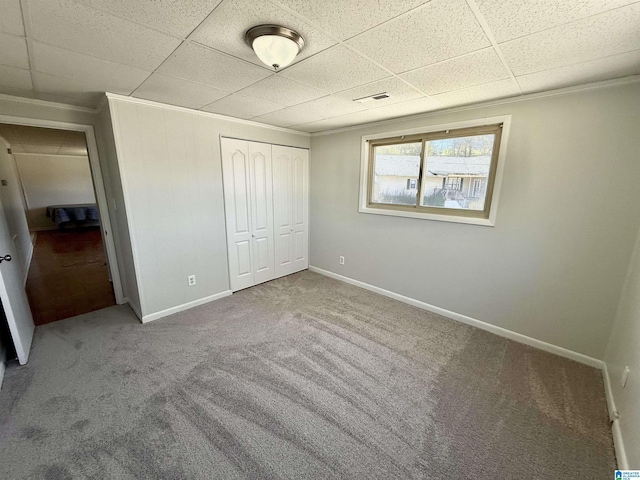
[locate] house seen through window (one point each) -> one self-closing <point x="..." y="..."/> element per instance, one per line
<point x="448" y="172"/>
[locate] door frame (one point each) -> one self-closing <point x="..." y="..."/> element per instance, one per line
<point x="98" y="187"/>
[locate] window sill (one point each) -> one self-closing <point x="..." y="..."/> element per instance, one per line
<point x="486" y="222"/>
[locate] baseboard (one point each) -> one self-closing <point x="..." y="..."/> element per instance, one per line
<point x="184" y="306"/>
<point x="618" y="443"/>
<point x="43" y="229"/>
<point x="503" y="332"/>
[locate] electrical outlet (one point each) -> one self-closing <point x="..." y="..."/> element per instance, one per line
<point x="192" y="280"/>
<point x="625" y="376"/>
<point x="341" y="260"/>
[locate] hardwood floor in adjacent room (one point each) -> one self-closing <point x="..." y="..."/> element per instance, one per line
<point x="68" y="275"/>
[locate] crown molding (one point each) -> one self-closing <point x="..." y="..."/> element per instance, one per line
<point x="122" y="98"/>
<point x="45" y="103"/>
<point x="631" y="79"/>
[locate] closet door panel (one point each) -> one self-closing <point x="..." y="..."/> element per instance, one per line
<point x="262" y="211"/>
<point x="300" y="208"/>
<point x="283" y="209"/>
<point x="235" y="169"/>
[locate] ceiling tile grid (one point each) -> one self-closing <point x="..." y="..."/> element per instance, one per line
<point x="425" y="54"/>
<point x="336" y="69"/>
<point x="321" y="108"/>
<point x="207" y="66"/>
<point x="282" y="90"/>
<point x="11" y="17"/>
<point x="25" y="139"/>
<point x="482" y="66"/>
<point x="174" y="17"/>
<point x="175" y="91"/>
<point x="17" y="78"/>
<point x="347" y="18"/>
<point x="79" y="28"/>
<point x="518" y="18"/>
<point x="397" y="89"/>
<point x="242" y="107"/>
<point x="439" y="30"/>
<point x="13" y="51"/>
<point x="610" y="33"/>
<point x="94" y="72"/>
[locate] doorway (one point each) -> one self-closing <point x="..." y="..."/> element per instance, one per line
<point x="68" y="259"/>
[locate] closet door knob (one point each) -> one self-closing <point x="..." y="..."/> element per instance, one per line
<point x="253" y="235"/>
<point x="6" y="258"/>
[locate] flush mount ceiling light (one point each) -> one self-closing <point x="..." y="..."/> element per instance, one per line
<point x="274" y="45"/>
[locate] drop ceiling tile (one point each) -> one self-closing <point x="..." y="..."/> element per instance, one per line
<point x="103" y="75"/>
<point x="242" y="107"/>
<point x="64" y="90"/>
<point x="11" y="17"/>
<point x="282" y="90"/>
<point x="476" y="68"/>
<point x="346" y="18"/>
<point x="76" y="27"/>
<point x="412" y="107"/>
<point x="14" y="51"/>
<point x="19" y="78"/>
<point x="335" y="70"/>
<point x="517" y="18"/>
<point x="329" y="106"/>
<point x="17" y="92"/>
<point x="175" y="91"/>
<point x="358" y="118"/>
<point x="224" y="30"/>
<point x="170" y="16"/>
<point x="272" y="120"/>
<point x="606" y="68"/>
<point x="479" y="93"/>
<point x="439" y="30"/>
<point x="397" y="90"/>
<point x="206" y="66"/>
<point x="611" y="33"/>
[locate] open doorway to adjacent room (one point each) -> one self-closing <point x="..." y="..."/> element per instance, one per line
<point x="47" y="188"/>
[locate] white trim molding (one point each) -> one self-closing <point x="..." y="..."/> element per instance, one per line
<point x="27" y="263"/>
<point x="98" y="186"/>
<point x="618" y="442"/>
<point x="365" y="164"/>
<point x="46" y="103"/>
<point x="502" y="332"/>
<point x="184" y="306"/>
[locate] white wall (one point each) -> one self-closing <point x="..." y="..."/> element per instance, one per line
<point x="170" y="165"/>
<point x="14" y="207"/>
<point x="624" y="350"/>
<point x="53" y="180"/>
<point x="553" y="266"/>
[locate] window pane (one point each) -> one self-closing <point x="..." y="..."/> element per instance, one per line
<point x="457" y="171"/>
<point x="395" y="174"/>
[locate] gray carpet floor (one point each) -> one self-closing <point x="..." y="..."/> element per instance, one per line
<point x="301" y="377"/>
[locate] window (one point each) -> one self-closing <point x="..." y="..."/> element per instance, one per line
<point x="443" y="174"/>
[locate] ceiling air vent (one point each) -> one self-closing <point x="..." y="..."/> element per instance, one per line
<point x="370" y="98"/>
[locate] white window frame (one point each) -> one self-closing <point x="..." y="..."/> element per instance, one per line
<point x="366" y="163"/>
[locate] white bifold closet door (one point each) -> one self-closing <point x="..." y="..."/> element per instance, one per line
<point x="291" y="206"/>
<point x="247" y="179"/>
